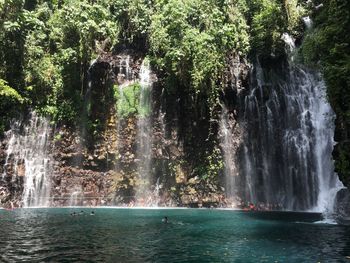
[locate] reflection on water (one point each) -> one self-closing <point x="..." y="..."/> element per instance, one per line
<point x="125" y="235"/>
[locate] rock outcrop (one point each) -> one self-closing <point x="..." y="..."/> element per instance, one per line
<point x="342" y="206"/>
<point x="96" y="164"/>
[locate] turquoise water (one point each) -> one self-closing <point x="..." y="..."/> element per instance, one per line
<point x="135" y="235"/>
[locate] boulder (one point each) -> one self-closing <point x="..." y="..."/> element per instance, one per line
<point x="342" y="206"/>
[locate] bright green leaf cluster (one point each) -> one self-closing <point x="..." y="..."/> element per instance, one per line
<point x="127" y="99"/>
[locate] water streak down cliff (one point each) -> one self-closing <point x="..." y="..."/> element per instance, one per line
<point x="28" y="157"/>
<point x="286" y="152"/>
<point x="144" y="134"/>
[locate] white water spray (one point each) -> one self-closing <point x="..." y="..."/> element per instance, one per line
<point x="28" y="154"/>
<point x="144" y="135"/>
<point x="289" y="140"/>
<point x="308" y="22"/>
<point x="230" y="163"/>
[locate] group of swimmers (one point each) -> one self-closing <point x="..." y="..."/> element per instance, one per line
<point x="261" y="207"/>
<point x="92" y="213"/>
<point x="165" y="219"/>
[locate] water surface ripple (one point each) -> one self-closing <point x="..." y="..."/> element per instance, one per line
<point x="135" y="235"/>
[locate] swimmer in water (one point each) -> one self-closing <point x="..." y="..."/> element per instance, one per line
<point x="92" y="213"/>
<point x="165" y="219"/>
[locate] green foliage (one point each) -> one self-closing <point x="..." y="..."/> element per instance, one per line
<point x="85" y="27"/>
<point x="127" y="99"/>
<point x="46" y="46"/>
<point x="12" y="36"/>
<point x="57" y="137"/>
<point x="268" y="20"/>
<point x="295" y="11"/>
<point x="133" y="16"/>
<point x="8" y="95"/>
<point x="190" y="39"/>
<point x="10" y="99"/>
<point x="212" y="165"/>
<point x="58" y="51"/>
<point x="267" y="27"/>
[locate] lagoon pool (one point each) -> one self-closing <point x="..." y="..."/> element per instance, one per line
<point x="191" y="235"/>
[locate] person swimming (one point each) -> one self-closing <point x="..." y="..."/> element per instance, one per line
<point x="92" y="213"/>
<point x="165" y="219"/>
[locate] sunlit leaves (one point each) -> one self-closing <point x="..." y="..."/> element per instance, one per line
<point x="267" y="27"/>
<point x="191" y="38"/>
<point x="8" y="94"/>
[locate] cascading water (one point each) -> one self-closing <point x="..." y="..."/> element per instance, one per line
<point x="287" y="160"/>
<point x="230" y="162"/>
<point x="156" y="193"/>
<point x="28" y="154"/>
<point x="125" y="70"/>
<point x="77" y="197"/>
<point x="144" y="135"/>
<point x="307" y="21"/>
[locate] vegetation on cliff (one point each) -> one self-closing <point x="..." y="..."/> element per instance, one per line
<point x="47" y="46"/>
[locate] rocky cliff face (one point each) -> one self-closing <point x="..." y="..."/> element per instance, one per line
<point x="11" y="188"/>
<point x="96" y="163"/>
<point x="342" y="207"/>
<point x="341" y="153"/>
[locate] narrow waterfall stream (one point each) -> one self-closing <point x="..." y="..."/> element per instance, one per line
<point x="28" y="155"/>
<point x="230" y="161"/>
<point x="287" y="151"/>
<point x="307" y="21"/>
<point x="84" y="115"/>
<point x="144" y="135"/>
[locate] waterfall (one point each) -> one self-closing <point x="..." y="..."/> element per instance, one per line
<point x="307" y="21"/>
<point x="287" y="159"/>
<point x="144" y="194"/>
<point x="230" y="163"/>
<point x="144" y="135"/>
<point x="156" y="194"/>
<point x="28" y="155"/>
<point x="76" y="197"/>
<point x="124" y="68"/>
<point x="125" y="74"/>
